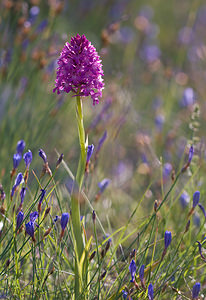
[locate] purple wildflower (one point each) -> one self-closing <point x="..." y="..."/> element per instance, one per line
<point x="43" y="193"/>
<point x="16" y="160"/>
<point x="125" y="295"/>
<point x="19" y="179"/>
<point x="103" y="184"/>
<point x="22" y="194"/>
<point x="42" y="154"/>
<point x="64" y="220"/>
<point x="159" y="121"/>
<point x="202" y="209"/>
<point x="196" y="290"/>
<point x="188" y="97"/>
<point x="200" y="250"/>
<point x="30" y="229"/>
<point x="167" y="168"/>
<point x="80" y="69"/>
<point x="132" y="269"/>
<point x="141" y="273"/>
<point x="184" y="199"/>
<point x="20" y="147"/>
<point x="191" y="153"/>
<point x="196" y="199"/>
<point x="33" y="216"/>
<point x="90" y="150"/>
<point x="150" y="292"/>
<point x="168" y="239"/>
<point x="33" y="13"/>
<point x="28" y="158"/>
<point x="19" y="219"/>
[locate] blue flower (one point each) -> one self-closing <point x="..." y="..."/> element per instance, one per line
<point x="42" y="154"/>
<point x="16" y="160"/>
<point x="30" y="229"/>
<point x="124" y="294"/>
<point x="43" y="192"/>
<point x="103" y="184"/>
<point x="28" y="158"/>
<point x="168" y="239"/>
<point x="184" y="199"/>
<point x="132" y="269"/>
<point x="19" y="179"/>
<point x="33" y="216"/>
<point x="196" y="198"/>
<point x="19" y="219"/>
<point x="150" y="292"/>
<point x="202" y="209"/>
<point x="191" y="153"/>
<point x="22" y="194"/>
<point x="20" y="147"/>
<point x="90" y="150"/>
<point x="196" y="290"/>
<point x="141" y="273"/>
<point x="64" y="220"/>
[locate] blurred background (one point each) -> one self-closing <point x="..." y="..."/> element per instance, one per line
<point x="153" y="105"/>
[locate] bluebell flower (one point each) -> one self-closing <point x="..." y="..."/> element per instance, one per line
<point x="191" y="153"/>
<point x="159" y="121"/>
<point x="196" y="290"/>
<point x="184" y="199"/>
<point x="167" y="168"/>
<point x="90" y="150"/>
<point x="103" y="184"/>
<point x="200" y="250"/>
<point x="19" y="219"/>
<point x="28" y="158"/>
<point x="196" y="198"/>
<point x="202" y="209"/>
<point x="43" y="193"/>
<point x="16" y="160"/>
<point x="168" y="239"/>
<point x="33" y="216"/>
<point x="64" y="220"/>
<point x="30" y="229"/>
<point x="188" y="97"/>
<point x="132" y="269"/>
<point x="42" y="154"/>
<point x="124" y="294"/>
<point x="20" y="147"/>
<point x="22" y="194"/>
<point x="150" y="292"/>
<point x="19" y="179"/>
<point x="33" y="13"/>
<point x="141" y="273"/>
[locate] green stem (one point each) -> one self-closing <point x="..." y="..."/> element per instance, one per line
<point x="75" y="206"/>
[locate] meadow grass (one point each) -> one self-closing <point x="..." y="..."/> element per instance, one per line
<point x="132" y="225"/>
